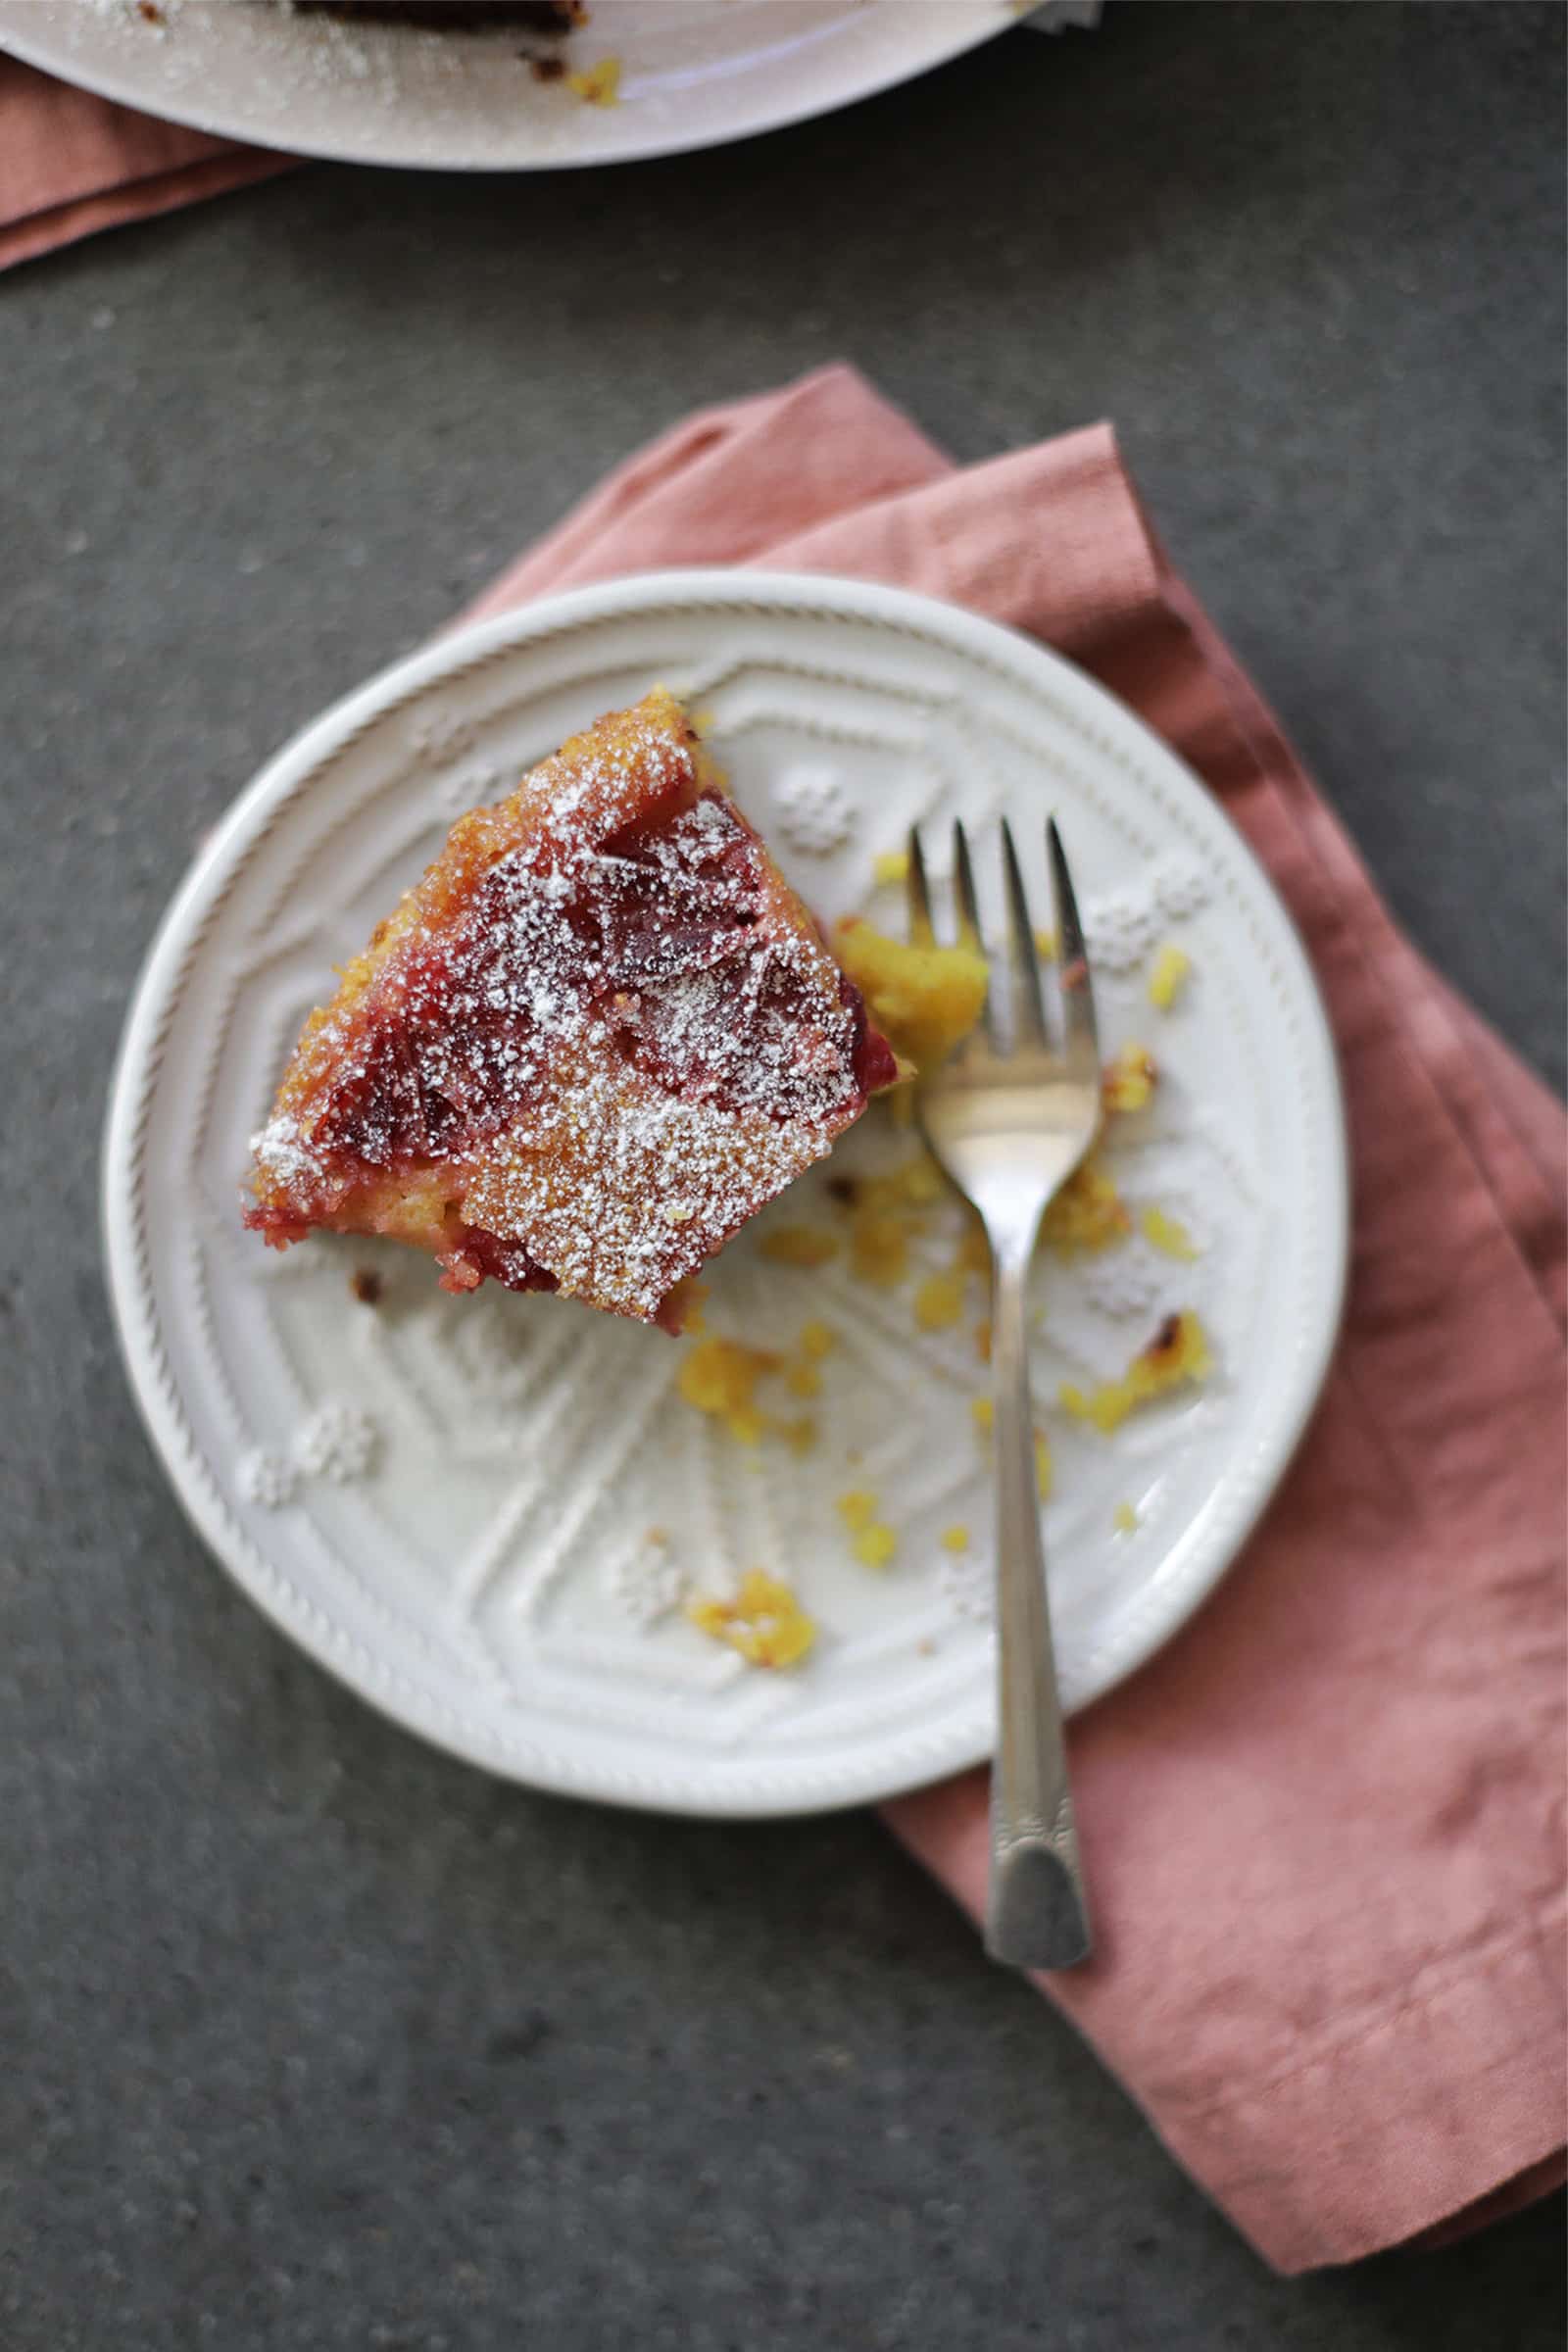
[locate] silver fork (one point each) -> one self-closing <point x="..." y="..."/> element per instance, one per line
<point x="1009" y="1115"/>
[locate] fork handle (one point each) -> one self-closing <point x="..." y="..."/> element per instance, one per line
<point x="1036" y="1916"/>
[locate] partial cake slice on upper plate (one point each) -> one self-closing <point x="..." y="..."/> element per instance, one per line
<point x="598" y="1036"/>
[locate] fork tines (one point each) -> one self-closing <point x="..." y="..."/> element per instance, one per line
<point x="1017" y="1015"/>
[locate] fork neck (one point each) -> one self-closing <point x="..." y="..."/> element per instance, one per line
<point x="1012" y="1229"/>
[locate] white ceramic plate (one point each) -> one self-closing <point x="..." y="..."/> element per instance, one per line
<point x="693" y="73"/>
<point x="448" y="1500"/>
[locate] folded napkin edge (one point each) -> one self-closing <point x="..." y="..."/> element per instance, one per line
<point x="1441" y="2091"/>
<point x="55" y="225"/>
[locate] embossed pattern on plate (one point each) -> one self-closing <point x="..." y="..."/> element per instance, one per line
<point x="452" y="1502"/>
<point x="692" y="73"/>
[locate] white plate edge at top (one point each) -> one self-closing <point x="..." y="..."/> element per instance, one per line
<point x="25" y="35"/>
<point x="194" y="905"/>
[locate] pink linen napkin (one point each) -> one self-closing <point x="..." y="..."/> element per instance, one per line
<point x="1324" y="1826"/>
<point x="70" y="163"/>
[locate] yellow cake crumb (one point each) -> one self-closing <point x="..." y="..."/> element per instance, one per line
<point x="798" y="1245"/>
<point x="920" y="1180"/>
<point x="857" y="1508"/>
<point x="817" y="1340"/>
<point x="1168" y="1234"/>
<point x="1088" y="1213"/>
<point x="1125" y="1519"/>
<point x="764" y="1621"/>
<point x="956" y="1539"/>
<point x="720" y="1377"/>
<point x="1127" y="1082"/>
<point x="982" y="1339"/>
<point x="923" y="1000"/>
<point x="939" y="1301"/>
<point x="886" y="1213"/>
<point x="1171" y="967"/>
<point x="804" y="1380"/>
<point x="1048" y="945"/>
<point x="1178" y="1352"/>
<point x="903" y="1191"/>
<point x="798" y="1436"/>
<point x="983" y="1411"/>
<point x="598" y="84"/>
<point x="879" y="1249"/>
<point x="891" y="866"/>
<point x="875" y="1545"/>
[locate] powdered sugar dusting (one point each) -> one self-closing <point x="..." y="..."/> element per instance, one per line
<point x="621" y="1039"/>
<point x="280" y="1149"/>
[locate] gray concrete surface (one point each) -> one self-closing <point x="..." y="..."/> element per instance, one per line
<point x="312" y="2038"/>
